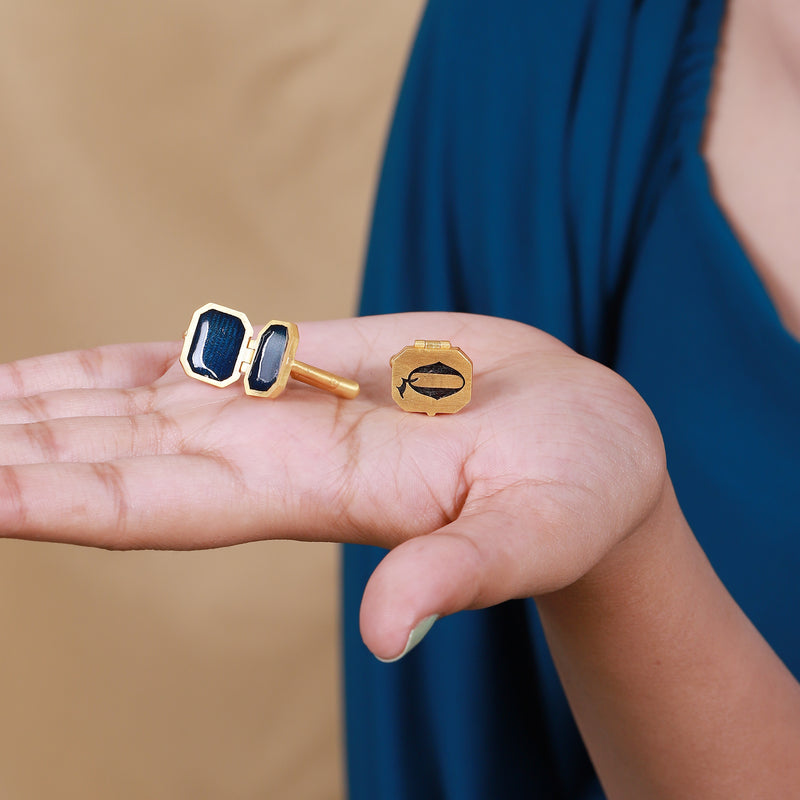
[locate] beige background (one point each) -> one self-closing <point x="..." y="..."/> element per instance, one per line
<point x="155" y="155"/>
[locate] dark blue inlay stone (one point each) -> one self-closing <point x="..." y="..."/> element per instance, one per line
<point x="216" y="344"/>
<point x="267" y="361"/>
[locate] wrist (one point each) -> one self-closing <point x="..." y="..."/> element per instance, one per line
<point x="645" y="558"/>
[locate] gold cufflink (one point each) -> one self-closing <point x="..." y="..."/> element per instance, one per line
<point x="431" y="377"/>
<point x="218" y="348"/>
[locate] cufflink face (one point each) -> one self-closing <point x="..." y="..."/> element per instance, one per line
<point x="432" y="377"/>
<point x="215" y="345"/>
<point x="272" y="362"/>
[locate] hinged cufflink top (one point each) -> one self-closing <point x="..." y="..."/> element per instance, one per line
<point x="431" y="377"/>
<point x="219" y="348"/>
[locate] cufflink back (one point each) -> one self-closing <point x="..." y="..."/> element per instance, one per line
<point x="431" y="377"/>
<point x="218" y="348"/>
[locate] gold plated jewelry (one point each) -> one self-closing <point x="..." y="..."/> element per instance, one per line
<point x="431" y="377"/>
<point x="218" y="348"/>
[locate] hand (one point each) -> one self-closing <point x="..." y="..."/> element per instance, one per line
<point x="554" y="462"/>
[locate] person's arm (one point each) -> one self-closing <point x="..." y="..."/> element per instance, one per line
<point x="551" y="483"/>
<point x="675" y="692"/>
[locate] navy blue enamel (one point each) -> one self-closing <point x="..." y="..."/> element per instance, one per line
<point x="216" y="343"/>
<point x="268" y="358"/>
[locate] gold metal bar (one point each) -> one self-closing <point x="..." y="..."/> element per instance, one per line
<point x="320" y="379"/>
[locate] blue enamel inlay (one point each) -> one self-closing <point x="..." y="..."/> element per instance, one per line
<point x="216" y="344"/>
<point x="267" y="361"/>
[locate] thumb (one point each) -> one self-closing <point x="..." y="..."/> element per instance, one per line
<point x="473" y="562"/>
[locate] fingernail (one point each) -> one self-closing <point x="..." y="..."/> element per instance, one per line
<point x="414" y="638"/>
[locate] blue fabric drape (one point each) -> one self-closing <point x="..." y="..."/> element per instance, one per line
<point x="543" y="165"/>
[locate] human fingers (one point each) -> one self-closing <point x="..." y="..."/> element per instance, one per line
<point x="163" y="502"/>
<point x="65" y="403"/>
<point x="510" y="550"/>
<point x="117" y="366"/>
<point x="90" y="439"/>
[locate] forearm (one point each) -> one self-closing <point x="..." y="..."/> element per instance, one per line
<point x="676" y="694"/>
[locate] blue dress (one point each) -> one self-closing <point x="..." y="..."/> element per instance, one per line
<point x="544" y="165"/>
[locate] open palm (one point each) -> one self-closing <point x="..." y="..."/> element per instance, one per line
<point x="554" y="461"/>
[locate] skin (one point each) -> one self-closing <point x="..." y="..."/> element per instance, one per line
<point x="118" y="448"/>
<point x="552" y="483"/>
<point x="751" y="142"/>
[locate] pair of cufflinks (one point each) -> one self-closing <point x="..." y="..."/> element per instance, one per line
<point x="431" y="377"/>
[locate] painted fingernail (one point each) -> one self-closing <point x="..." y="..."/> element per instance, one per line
<point x="414" y="638"/>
